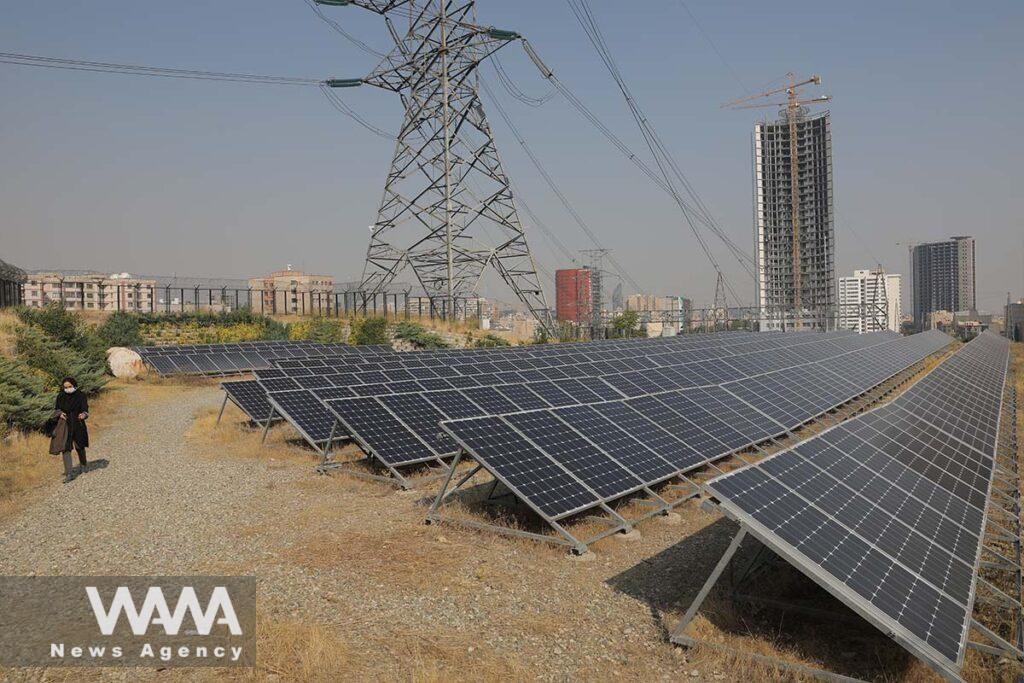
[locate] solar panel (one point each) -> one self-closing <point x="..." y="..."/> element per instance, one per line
<point x="522" y="396"/>
<point x="590" y="465"/>
<point x="617" y="443"/>
<point x="250" y="397"/>
<point x="522" y="467"/>
<point x="422" y="418"/>
<point x="305" y="412"/>
<point x="453" y="404"/>
<point x="887" y="510"/>
<point x="490" y="400"/>
<point x="278" y="383"/>
<point x="380" y="433"/>
<point x="552" y="394"/>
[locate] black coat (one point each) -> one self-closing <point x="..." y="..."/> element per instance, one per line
<point x="73" y="405"/>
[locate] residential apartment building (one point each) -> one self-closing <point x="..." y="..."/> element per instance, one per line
<point x="292" y="292"/>
<point x="870" y="301"/>
<point x="782" y="301"/>
<point x="942" y="278"/>
<point x="90" y="291"/>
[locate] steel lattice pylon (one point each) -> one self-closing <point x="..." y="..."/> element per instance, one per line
<point x="447" y="210"/>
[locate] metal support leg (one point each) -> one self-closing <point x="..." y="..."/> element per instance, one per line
<point x="266" y="428"/>
<point x="677" y="636"/>
<point x="222" y="407"/>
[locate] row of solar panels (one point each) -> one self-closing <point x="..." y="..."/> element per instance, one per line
<point x="402" y="428"/>
<point x="562" y="461"/>
<point x="887" y="510"/>
<point x="638" y="366"/>
<point x="299" y="393"/>
<point x="246" y="356"/>
<point x="205" y="359"/>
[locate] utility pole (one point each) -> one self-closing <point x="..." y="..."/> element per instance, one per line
<point x="446" y="189"/>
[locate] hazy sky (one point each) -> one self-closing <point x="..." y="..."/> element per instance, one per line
<point x="167" y="176"/>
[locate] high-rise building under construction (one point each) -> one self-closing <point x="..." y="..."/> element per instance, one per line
<point x="795" y="282"/>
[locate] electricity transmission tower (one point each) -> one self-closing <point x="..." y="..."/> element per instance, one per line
<point x="447" y="210"/>
<point x="721" y="308"/>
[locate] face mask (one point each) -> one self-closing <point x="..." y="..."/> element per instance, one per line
<point x="69" y="390"/>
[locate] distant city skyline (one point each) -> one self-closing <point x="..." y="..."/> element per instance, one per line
<point x="156" y="176"/>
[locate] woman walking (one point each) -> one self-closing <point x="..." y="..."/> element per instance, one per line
<point x="71" y="410"/>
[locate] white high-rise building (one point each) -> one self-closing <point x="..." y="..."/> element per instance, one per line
<point x="870" y="301"/>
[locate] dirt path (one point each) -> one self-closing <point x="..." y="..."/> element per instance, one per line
<point x="150" y="510"/>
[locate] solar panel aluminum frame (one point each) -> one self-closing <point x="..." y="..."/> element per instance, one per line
<point x="258" y="420"/>
<point x="372" y="458"/>
<point x="566" y="538"/>
<point x="323" y="448"/>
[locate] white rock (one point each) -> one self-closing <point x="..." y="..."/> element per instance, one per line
<point x="124" y="362"/>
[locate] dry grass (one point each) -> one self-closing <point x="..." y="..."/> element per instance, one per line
<point x="26" y="467"/>
<point x="236" y="437"/>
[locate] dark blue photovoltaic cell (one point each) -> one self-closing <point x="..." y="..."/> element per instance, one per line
<point x="576" y="454"/>
<point x="392" y="442"/>
<point x="304" y="410"/>
<point x="250" y="397"/>
<point x="522" y="466"/>
<point x="617" y="443"/>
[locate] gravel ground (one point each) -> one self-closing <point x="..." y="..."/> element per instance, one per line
<point x="153" y="509"/>
<point x="413" y="601"/>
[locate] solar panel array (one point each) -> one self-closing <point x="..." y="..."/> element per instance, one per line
<point x="207" y="359"/>
<point x="414" y="417"/>
<point x="887" y="510"/>
<point x="592" y="454"/>
<point x="460" y="383"/>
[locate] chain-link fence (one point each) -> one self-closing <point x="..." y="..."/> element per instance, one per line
<point x="156" y="294"/>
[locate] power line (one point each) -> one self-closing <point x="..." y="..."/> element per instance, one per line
<point x="341" y="31"/>
<point x="152" y="71"/>
<point x="554" y="186"/>
<point x="659" y="151"/>
<point x="714" y="47"/>
<point x="343" y="108"/>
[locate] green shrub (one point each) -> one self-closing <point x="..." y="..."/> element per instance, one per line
<point x="273" y="329"/>
<point x="121" y="329"/>
<point x="627" y="324"/>
<point x="25" y="402"/>
<point x="320" y="330"/>
<point x="419" y="336"/>
<point x="55" y="321"/>
<point x="57" y="360"/>
<point x="370" y="331"/>
<point x="491" y="340"/>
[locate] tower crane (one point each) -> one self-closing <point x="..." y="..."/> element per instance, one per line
<point x="792" y="106"/>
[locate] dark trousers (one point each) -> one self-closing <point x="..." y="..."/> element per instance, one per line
<point x="82" y="463"/>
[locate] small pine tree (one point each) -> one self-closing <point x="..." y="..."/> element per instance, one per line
<point x="120" y="329"/>
<point x="24" y="400"/>
<point x="48" y="355"/>
<point x="55" y="321"/>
